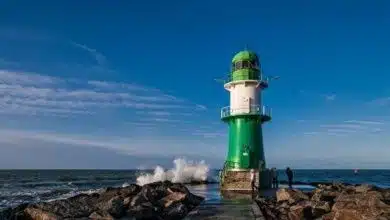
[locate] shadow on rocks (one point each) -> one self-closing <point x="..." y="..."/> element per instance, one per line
<point x="328" y="202"/>
<point x="159" y="200"/>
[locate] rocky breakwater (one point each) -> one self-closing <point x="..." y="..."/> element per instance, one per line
<point x="328" y="202"/>
<point x="159" y="200"/>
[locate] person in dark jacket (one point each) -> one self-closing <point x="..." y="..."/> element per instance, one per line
<point x="274" y="177"/>
<point x="290" y="176"/>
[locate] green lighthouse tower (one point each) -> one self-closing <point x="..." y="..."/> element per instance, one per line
<point x="245" y="163"/>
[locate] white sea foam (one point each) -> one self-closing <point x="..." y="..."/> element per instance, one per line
<point x="183" y="172"/>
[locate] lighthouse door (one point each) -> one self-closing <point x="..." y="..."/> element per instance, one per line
<point x="245" y="105"/>
<point x="246" y="156"/>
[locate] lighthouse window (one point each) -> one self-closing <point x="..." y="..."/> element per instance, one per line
<point x="254" y="63"/>
<point x="237" y="66"/>
<point x="245" y="64"/>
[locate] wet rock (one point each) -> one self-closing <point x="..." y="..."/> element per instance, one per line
<point x="175" y="211"/>
<point x="75" y="207"/>
<point x="171" y="198"/>
<point x="192" y="200"/>
<point x="144" y="211"/>
<point x="14" y="213"/>
<point x="126" y="202"/>
<point x="127" y="191"/>
<point x="152" y="192"/>
<point x="178" y="187"/>
<point x="113" y="206"/>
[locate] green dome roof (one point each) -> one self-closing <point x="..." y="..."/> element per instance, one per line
<point x="244" y="55"/>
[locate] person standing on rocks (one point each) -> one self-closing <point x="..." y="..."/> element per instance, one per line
<point x="253" y="178"/>
<point x="290" y="176"/>
<point x="274" y="176"/>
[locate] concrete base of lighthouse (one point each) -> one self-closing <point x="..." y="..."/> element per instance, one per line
<point x="239" y="181"/>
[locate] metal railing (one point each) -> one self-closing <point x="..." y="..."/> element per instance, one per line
<point x="262" y="78"/>
<point x="251" y="110"/>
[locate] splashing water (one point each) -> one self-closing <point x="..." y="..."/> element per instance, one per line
<point x="183" y="172"/>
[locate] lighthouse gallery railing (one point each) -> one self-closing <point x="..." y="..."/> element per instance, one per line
<point x="261" y="78"/>
<point x="251" y="110"/>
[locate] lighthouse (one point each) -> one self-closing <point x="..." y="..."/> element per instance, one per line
<point x="245" y="168"/>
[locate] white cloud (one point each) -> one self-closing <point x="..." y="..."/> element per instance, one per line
<point x="104" y="85"/>
<point x="165" y="113"/>
<point x="161" y="120"/>
<point x="26" y="79"/>
<point x="6" y="63"/>
<point x="330" y="97"/>
<point x="140" y="146"/>
<point x="376" y="130"/>
<point x="341" y="131"/>
<point x="365" y="122"/>
<point x="201" y="107"/>
<point x="348" y="126"/>
<point x="210" y="134"/>
<point x="100" y="58"/>
<point x="155" y="113"/>
<point x="311" y="133"/>
<point x="34" y="93"/>
<point x="384" y="101"/>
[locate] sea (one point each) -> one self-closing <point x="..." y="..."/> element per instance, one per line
<point x="21" y="186"/>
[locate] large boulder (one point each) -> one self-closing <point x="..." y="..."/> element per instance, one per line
<point x="75" y="207"/>
<point x="176" y="210"/>
<point x="302" y="210"/>
<point x="102" y="215"/>
<point x="171" y="198"/>
<point x="168" y="200"/>
<point x="367" y="205"/>
<point x="14" y="213"/>
<point x="114" y="206"/>
<point x="320" y="208"/>
<point x="38" y="214"/>
<point x="364" y="188"/>
<point x="325" y="195"/>
<point x="290" y="195"/>
<point x="145" y="210"/>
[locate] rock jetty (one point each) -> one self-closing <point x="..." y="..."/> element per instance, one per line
<point x="159" y="200"/>
<point x="328" y="202"/>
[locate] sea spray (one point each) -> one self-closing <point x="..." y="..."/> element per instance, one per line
<point x="183" y="172"/>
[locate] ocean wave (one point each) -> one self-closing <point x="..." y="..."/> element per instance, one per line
<point x="183" y="172"/>
<point x="14" y="198"/>
<point x="94" y="178"/>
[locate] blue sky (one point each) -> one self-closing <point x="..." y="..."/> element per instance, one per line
<point x="124" y="84"/>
